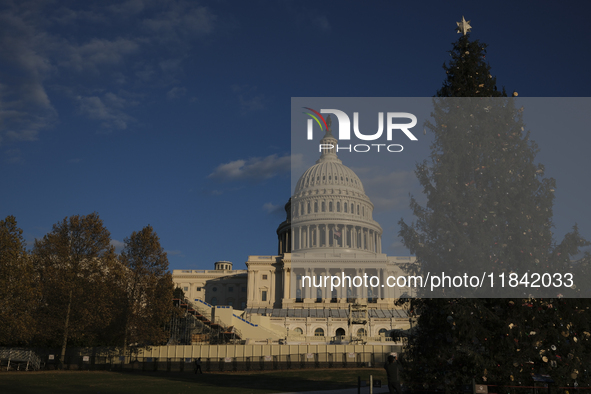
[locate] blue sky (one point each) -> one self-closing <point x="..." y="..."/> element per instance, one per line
<point x="177" y="113"/>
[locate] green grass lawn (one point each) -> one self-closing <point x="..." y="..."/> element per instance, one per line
<point x="69" y="382"/>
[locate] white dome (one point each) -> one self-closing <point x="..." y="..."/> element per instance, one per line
<point x="329" y="209"/>
<point x="328" y="174"/>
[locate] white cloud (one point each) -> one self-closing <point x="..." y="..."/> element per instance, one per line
<point x="256" y="168"/>
<point x="176" y="92"/>
<point x="118" y="245"/>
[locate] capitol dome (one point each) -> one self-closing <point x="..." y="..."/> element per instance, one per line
<point x="329" y="210"/>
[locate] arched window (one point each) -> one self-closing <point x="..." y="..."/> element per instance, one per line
<point x="298" y="331"/>
<point x="338" y="206"/>
<point x="357" y="209"/>
<point x="352" y="208"/>
<point x="345" y="206"/>
<point x="340" y="332"/>
<point x="308" y="207"/>
<point x="330" y="206"/>
<point x="315" y="206"/>
<point x="319" y="332"/>
<point x="323" y="206"/>
<point x="361" y="332"/>
<point x="382" y="331"/>
<point x="213" y="301"/>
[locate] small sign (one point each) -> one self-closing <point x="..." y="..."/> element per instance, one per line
<point x="268" y="358"/>
<point x="228" y="359"/>
<point x="310" y="355"/>
<point x="85" y="358"/>
<point x="481" y="389"/>
<point x="351" y="355"/>
<point x="51" y="357"/>
<point x="542" y="378"/>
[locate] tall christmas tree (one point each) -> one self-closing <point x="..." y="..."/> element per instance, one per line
<point x="489" y="209"/>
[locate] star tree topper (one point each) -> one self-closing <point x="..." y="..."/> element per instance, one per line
<point x="463" y="26"/>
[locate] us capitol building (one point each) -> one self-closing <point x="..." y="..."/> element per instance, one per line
<point x="328" y="231"/>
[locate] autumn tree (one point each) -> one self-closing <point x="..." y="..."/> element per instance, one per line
<point x="149" y="289"/>
<point x="19" y="292"/>
<point x="80" y="277"/>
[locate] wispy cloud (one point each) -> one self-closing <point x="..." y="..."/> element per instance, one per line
<point x="271" y="208"/>
<point x="109" y="110"/>
<point x="254" y="169"/>
<point x="248" y="98"/>
<point x="174" y="253"/>
<point x="139" y="47"/>
<point x="25" y="108"/>
<point x="182" y="20"/>
<point x="119" y="245"/>
<point x="176" y="92"/>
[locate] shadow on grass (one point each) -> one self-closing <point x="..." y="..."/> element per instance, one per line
<point x="275" y="381"/>
<point x="258" y="382"/>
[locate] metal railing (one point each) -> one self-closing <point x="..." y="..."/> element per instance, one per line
<point x="20" y="358"/>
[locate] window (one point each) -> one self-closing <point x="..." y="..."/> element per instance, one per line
<point x="230" y="303"/>
<point x="264" y="277"/>
<point x="214" y="289"/>
<point x="243" y="305"/>
<point x="315" y="207"/>
<point x="230" y="289"/>
<point x="323" y="206"/>
<point x="340" y="332"/>
<point x="319" y="332"/>
<point x="185" y="289"/>
<point x="264" y="295"/>
<point x="345" y="206"/>
<point x="361" y="332"/>
<point x="199" y="289"/>
<point x="382" y="331"/>
<point x="330" y="206"/>
<point x="213" y="301"/>
<point x="308" y="207"/>
<point x="298" y="331"/>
